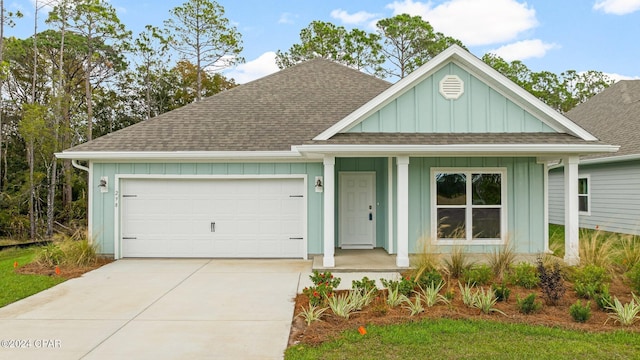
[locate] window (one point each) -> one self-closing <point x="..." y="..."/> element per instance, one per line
<point x="584" y="200"/>
<point x="468" y="205"/>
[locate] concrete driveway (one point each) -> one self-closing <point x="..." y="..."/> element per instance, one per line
<point x="159" y="309"/>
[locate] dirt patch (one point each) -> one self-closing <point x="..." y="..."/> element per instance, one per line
<point x="378" y="313"/>
<point x="66" y="272"/>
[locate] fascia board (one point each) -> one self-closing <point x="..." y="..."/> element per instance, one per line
<point x="179" y="155"/>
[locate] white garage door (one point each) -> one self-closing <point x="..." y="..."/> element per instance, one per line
<point x="254" y="218"/>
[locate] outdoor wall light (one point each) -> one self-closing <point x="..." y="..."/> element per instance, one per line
<point x="103" y="185"/>
<point x="319" y="185"/>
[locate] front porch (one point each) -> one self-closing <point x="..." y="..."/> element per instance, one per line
<point x="375" y="260"/>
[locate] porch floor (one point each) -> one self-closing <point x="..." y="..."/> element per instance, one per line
<point x="375" y="260"/>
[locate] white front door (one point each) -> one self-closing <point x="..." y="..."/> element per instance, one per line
<point x="357" y="205"/>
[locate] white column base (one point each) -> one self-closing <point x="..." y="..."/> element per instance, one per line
<point x="328" y="261"/>
<point x="402" y="261"/>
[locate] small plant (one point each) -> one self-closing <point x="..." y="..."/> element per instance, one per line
<point x="342" y="305"/>
<point x="326" y="278"/>
<point x="633" y="276"/>
<point x="70" y="251"/>
<point x="528" y="305"/>
<point x="415" y="307"/>
<point x="596" y="248"/>
<point x="405" y="285"/>
<point x="394" y="297"/>
<point x="501" y="292"/>
<point x="525" y="275"/>
<point x="449" y="295"/>
<point x="478" y="275"/>
<point x="364" y="286"/>
<point x="428" y="278"/>
<point x="426" y="259"/>
<point x="501" y="259"/>
<point x="580" y="313"/>
<point x="551" y="282"/>
<point x="629" y="253"/>
<point x="467" y="295"/>
<point x="458" y="262"/>
<point x="603" y="299"/>
<point x="311" y="314"/>
<point x="589" y="281"/>
<point x="323" y="289"/>
<point x="625" y="314"/>
<point x="361" y="300"/>
<point x="431" y="294"/>
<point x="485" y="300"/>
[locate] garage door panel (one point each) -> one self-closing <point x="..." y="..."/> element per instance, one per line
<point x="173" y="218"/>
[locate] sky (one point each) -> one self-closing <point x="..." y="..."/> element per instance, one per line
<point x="551" y="35"/>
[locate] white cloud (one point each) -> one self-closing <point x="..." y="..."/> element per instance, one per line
<point x="617" y="7"/>
<point x="287" y="18"/>
<point x="618" y="77"/>
<point x="264" y="65"/>
<point x="474" y="22"/>
<point x="523" y="50"/>
<point x="352" y="19"/>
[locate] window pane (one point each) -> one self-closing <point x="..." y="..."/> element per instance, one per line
<point x="452" y="189"/>
<point x="583" y="203"/>
<point x="486" y="223"/>
<point x="451" y="224"/>
<point x="583" y="186"/>
<point x="486" y="189"/>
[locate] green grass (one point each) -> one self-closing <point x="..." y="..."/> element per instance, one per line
<point x="18" y="286"/>
<point x="466" y="339"/>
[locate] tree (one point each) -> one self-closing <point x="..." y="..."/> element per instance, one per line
<point x="185" y="87"/>
<point x="200" y="32"/>
<point x="409" y="42"/>
<point x="355" y="48"/>
<point x="151" y="48"/>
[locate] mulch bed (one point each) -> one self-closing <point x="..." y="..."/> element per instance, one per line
<point x="66" y="272"/>
<point x="378" y="313"/>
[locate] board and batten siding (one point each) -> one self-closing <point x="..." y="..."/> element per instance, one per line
<point x="422" y="109"/>
<point x="615" y="197"/>
<point x="525" y="200"/>
<point x="103" y="210"/>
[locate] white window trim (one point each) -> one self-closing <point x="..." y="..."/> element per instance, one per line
<point x="469" y="239"/>
<point x="588" y="194"/>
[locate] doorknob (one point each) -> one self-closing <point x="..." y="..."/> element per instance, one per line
<point x="370" y="216"/>
<point x="213" y="226"/>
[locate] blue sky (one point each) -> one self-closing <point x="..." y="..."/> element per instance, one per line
<point x="546" y="35"/>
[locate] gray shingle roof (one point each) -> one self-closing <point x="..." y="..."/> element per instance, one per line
<point x="269" y="114"/>
<point x="613" y="116"/>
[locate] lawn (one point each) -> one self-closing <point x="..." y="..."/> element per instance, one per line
<point x="467" y="339"/>
<point x="18" y="286"/>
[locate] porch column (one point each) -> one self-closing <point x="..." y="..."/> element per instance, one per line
<point x="329" y="211"/>
<point x="571" y="218"/>
<point x="402" y="198"/>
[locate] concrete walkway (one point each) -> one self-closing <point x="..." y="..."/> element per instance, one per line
<point x="159" y="309"/>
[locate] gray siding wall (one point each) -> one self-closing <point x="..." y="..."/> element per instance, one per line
<point x="615" y="197"/>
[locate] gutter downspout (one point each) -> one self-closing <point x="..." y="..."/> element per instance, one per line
<point x="78" y="166"/>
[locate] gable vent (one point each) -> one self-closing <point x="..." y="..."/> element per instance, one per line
<point x="451" y="87"/>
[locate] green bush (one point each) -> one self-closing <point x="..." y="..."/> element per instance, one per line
<point x="528" y="305"/>
<point x="633" y="276"/>
<point x="580" y="313"/>
<point x="67" y="252"/>
<point x="501" y="291"/>
<point x="404" y="286"/>
<point x="363" y="286"/>
<point x="590" y="281"/>
<point x="477" y="275"/>
<point x="429" y="278"/>
<point x="524" y="274"/>
<point x="323" y="287"/>
<point x="603" y="299"/>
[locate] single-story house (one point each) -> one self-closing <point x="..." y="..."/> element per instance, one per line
<point x="608" y="184"/>
<point x="319" y="156"/>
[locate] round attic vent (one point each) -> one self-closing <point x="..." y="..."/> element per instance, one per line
<point x="451" y="87"/>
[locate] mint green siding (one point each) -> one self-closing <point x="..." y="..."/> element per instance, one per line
<point x="480" y="109"/>
<point x="525" y="199"/>
<point x="380" y="167"/>
<point x="103" y="210"/>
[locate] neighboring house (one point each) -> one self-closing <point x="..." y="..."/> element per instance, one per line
<point x="319" y="156"/>
<point x="608" y="184"/>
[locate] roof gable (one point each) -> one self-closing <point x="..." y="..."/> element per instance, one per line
<point x="490" y="103"/>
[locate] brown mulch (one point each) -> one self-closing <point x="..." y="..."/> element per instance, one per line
<point x="379" y="313"/>
<point x="66" y="272"/>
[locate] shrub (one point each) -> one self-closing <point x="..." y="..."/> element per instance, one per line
<point x="629" y="253"/>
<point x="500" y="260"/>
<point x="394" y="297"/>
<point x="603" y="299"/>
<point x="478" y="275"/>
<point x="311" y="314"/>
<point x="580" y="313"/>
<point x="431" y="294"/>
<point x="484" y="300"/>
<point x="362" y="299"/>
<point x="633" y="276"/>
<point x="68" y="252"/>
<point x="326" y="278"/>
<point x="525" y="275"/>
<point x="466" y="294"/>
<point x="458" y="262"/>
<point x="501" y="291"/>
<point x="364" y="286"/>
<point x="596" y="248"/>
<point x="404" y="286"/>
<point x="429" y="278"/>
<point x="342" y="305"/>
<point x="414" y="307"/>
<point x="551" y="282"/>
<point x="528" y="305"/>
<point x="626" y="314"/>
<point x="324" y="286"/>
<point x="589" y="281"/>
